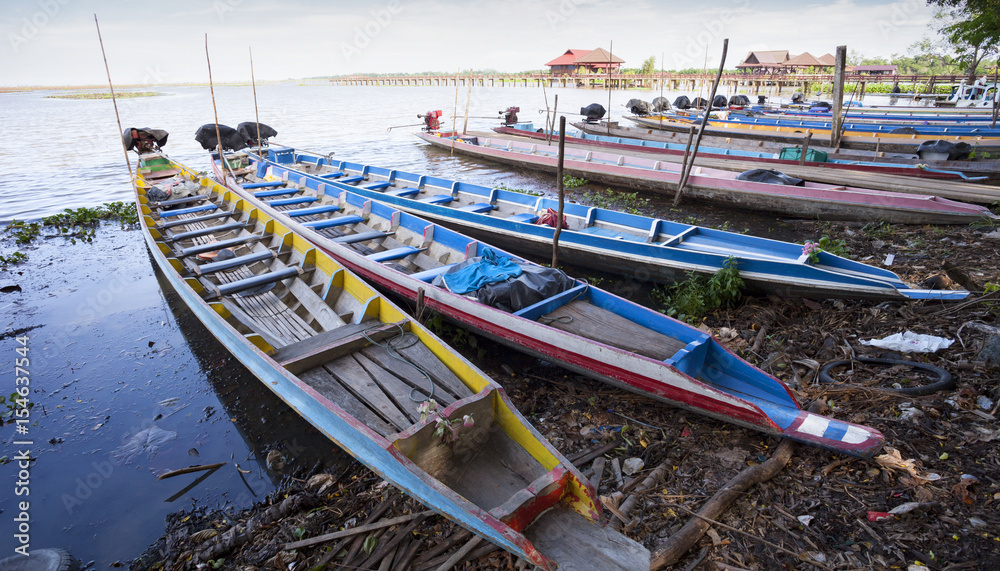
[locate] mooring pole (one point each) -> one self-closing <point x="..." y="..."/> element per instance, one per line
<point x="838" y="96"/>
<point x="611" y="49"/>
<point x="121" y="132"/>
<point x="704" y="123"/>
<point x="215" y="111"/>
<point x="256" y="114"/>
<point x="562" y="192"/>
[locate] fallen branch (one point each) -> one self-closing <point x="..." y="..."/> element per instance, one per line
<point x="651" y="480"/>
<point x="190" y="469"/>
<point x="356" y="530"/>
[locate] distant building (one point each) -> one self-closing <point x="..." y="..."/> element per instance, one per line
<point x="587" y="61"/>
<point x="875" y="69"/>
<point x="764" y="62"/>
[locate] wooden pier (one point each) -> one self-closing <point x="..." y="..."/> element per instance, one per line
<point x="731" y="83"/>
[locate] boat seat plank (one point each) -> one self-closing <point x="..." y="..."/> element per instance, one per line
<point x="320" y="348"/>
<point x="603" y="326"/>
<point x="396" y="389"/>
<point x="207" y="230"/>
<point x="605" y="233"/>
<point x="276" y="192"/>
<point x="257" y="281"/>
<point x="317" y="310"/>
<point x="231" y="263"/>
<point x="330" y="175"/>
<point x="429" y="275"/>
<point x="560" y="535"/>
<point x="194" y="220"/>
<point x="264" y="184"/>
<point x="403" y="192"/>
<point x="440" y="373"/>
<point x="192" y="210"/>
<point x="291" y="201"/>
<point x="220" y="245"/>
<point x="354" y="377"/>
<point x="325" y="209"/>
<point x="351" y="179"/>
<point x="328" y="386"/>
<point x="360" y="237"/>
<point x="375" y="185"/>
<point x="332" y="222"/>
<point x="393" y="254"/>
<point x="265" y="308"/>
<point x="478" y="208"/>
<point x="526" y="217"/>
<point x="438" y="199"/>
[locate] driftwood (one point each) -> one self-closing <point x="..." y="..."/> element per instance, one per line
<point x="675" y="546"/>
<point x="372" y="517"/>
<point x="190" y="469"/>
<point x="237" y="535"/>
<point x="651" y="480"/>
<point x="356" y="530"/>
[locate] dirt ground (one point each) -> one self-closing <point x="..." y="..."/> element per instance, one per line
<point x="939" y="469"/>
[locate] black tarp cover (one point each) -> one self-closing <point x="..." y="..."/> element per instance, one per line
<point x="661" y="104"/>
<point x="248" y="130"/>
<point x="770" y="177"/>
<point x="638" y="107"/>
<point x="231" y="139"/>
<point x="956" y="151"/>
<point x="593" y="112"/>
<point x="682" y="102"/>
<point x="533" y="285"/>
<point x="158" y="136"/>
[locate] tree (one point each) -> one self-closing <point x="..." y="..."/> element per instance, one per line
<point x="648" y="66"/>
<point x="971" y="28"/>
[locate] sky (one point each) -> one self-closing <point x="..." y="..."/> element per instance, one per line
<point x="54" y="42"/>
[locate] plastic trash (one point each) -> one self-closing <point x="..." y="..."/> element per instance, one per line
<point x="632" y="465"/>
<point x="910" y="342"/>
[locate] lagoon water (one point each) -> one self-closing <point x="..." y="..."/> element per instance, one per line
<point x="126" y="383"/>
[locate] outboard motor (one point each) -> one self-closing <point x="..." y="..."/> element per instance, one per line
<point x="638" y="107"/>
<point x="248" y="130"/>
<point x="719" y="102"/>
<point x="739" y="101"/>
<point x="761" y="99"/>
<point x="699" y="103"/>
<point x="432" y="120"/>
<point x="797" y="97"/>
<point x="144" y="140"/>
<point x="682" y="102"/>
<point x="661" y="104"/>
<point x="509" y="116"/>
<point x="593" y="112"/>
<point x="231" y="139"/>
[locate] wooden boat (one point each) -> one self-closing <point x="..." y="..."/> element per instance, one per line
<point x="810" y="200"/>
<point x="582" y="327"/>
<point x="886" y="142"/>
<point x="636" y="246"/>
<point x="977" y="167"/>
<point x="879" y="176"/>
<point x="359" y="369"/>
<point x="881" y="128"/>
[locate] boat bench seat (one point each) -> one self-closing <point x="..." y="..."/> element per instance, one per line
<point x="195" y="220"/>
<point x="327" y="208"/>
<point x="526" y="217"/>
<point x="553" y="303"/>
<point x="265" y="184"/>
<point x="429" y="275"/>
<point x="220" y="245"/>
<point x="256" y="281"/>
<point x="238" y="261"/>
<point x="403" y="192"/>
<point x="359" y="237"/>
<point x="183" y="211"/>
<point x="376" y="185"/>
<point x="291" y="201"/>
<point x="276" y="192"/>
<point x="331" y="222"/>
<point x="605" y="233"/>
<point x="207" y="231"/>
<point x="393" y="254"/>
<point x="351" y="179"/>
<point x="478" y="208"/>
<point x="332" y="175"/>
<point x="438" y="199"/>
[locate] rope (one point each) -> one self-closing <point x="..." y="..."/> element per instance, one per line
<point x="391" y="347"/>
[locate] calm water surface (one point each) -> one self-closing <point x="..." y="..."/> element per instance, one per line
<point x="126" y="383"/>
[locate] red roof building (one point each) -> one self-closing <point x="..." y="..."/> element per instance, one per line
<point x="572" y="61"/>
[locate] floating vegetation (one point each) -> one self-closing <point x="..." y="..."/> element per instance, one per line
<point x="608" y="199"/>
<point x="76" y="223"/>
<point x="12" y="259"/>
<point x="570" y="181"/>
<point x="105" y="95"/>
<point x="521" y="190"/>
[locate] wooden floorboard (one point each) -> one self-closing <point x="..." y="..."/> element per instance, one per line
<point x="396" y="389"/>
<point x="360" y="383"/>
<point x="609" y="328"/>
<point x="448" y="387"/>
<point x="328" y="386"/>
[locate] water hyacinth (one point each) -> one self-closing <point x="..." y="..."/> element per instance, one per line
<point x="812" y="250"/>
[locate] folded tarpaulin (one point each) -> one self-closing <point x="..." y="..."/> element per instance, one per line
<point x="475" y="273"/>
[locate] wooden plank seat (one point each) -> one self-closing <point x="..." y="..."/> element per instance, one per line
<point x="264" y="184"/>
<point x="220" y="245"/>
<point x="217" y="229"/>
<point x="478" y="208"/>
<point x="258" y="280"/>
<point x="605" y="233"/>
<point x="231" y="263"/>
<point x="438" y="199"/>
<point x="292" y="201"/>
<point x="526" y="217"/>
<point x="403" y="192"/>
<point x="330" y="345"/>
<point x="195" y="220"/>
<point x="332" y="222"/>
<point x="352" y="179"/>
<point x="325" y="209"/>
<point x="179" y="201"/>
<point x="393" y="254"/>
<point x="429" y="275"/>
<point x="375" y="185"/>
<point x="331" y="175"/>
<point x="192" y="210"/>
<point x="275" y="192"/>
<point x="360" y="237"/>
<point x="609" y="328"/>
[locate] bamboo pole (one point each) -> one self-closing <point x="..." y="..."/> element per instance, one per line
<point x="454" y="116"/>
<point x="704" y="122"/>
<point x="805" y="148"/>
<point x="838" y="96"/>
<point x="256" y="114"/>
<point x="555" y="112"/>
<point x="662" y="81"/>
<point x="215" y="111"/>
<point x="468" y="97"/>
<point x="611" y="50"/>
<point x="548" y="128"/>
<point x="114" y="101"/>
<point x="996" y="94"/>
<point x="562" y="192"/>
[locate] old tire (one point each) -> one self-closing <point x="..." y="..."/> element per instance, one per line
<point x="944" y="381"/>
<point x="41" y="560"/>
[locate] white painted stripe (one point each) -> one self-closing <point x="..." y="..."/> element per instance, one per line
<point x="814" y="425"/>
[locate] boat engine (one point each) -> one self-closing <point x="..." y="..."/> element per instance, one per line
<point x="509" y="116"/>
<point x="432" y="120"/>
<point x="144" y="140"/>
<point x="593" y="112"/>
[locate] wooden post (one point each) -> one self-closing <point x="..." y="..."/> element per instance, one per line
<point x="805" y="148"/>
<point x="704" y="122"/>
<point x="548" y="127"/>
<point x="468" y="97"/>
<point x="838" y="97"/>
<point x="611" y="49"/>
<point x="454" y="116"/>
<point x="555" y="113"/>
<point x="996" y="94"/>
<point x="121" y="132"/>
<point x="562" y="192"/>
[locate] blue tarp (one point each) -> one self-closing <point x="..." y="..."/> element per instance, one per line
<point x="490" y="268"/>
